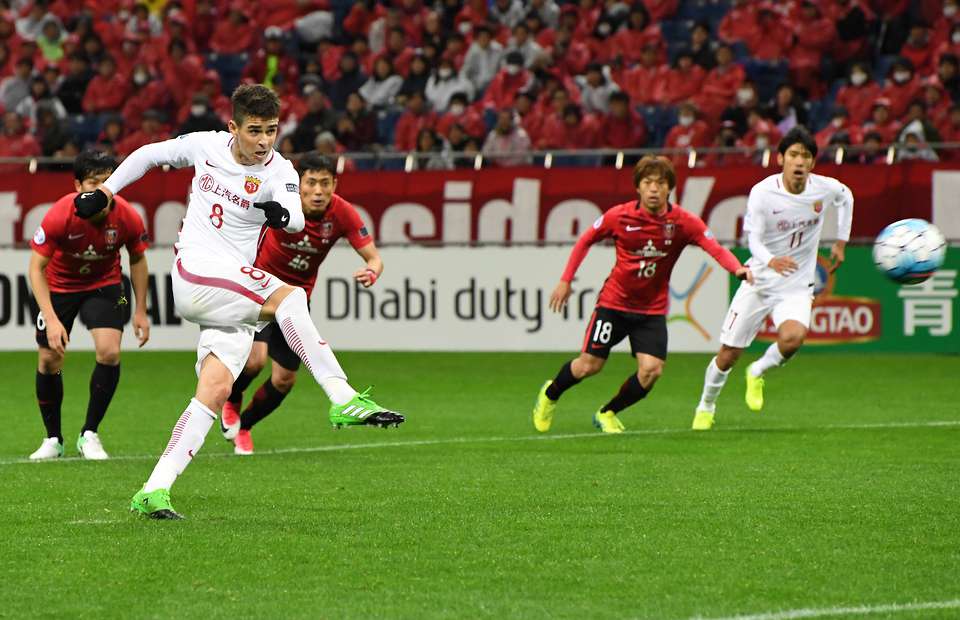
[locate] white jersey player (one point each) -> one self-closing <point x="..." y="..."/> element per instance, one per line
<point x="785" y="215"/>
<point x="240" y="186"/>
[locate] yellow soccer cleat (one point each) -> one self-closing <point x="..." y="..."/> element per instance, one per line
<point x="754" y="394"/>
<point x="608" y="422"/>
<point x="543" y="409"/>
<point x="703" y="421"/>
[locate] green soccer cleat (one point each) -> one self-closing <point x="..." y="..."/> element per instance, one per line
<point x="754" y="393"/>
<point x="608" y="422"/>
<point x="543" y="409"/>
<point x="155" y="505"/>
<point x="363" y="410"/>
<point x="703" y="421"/>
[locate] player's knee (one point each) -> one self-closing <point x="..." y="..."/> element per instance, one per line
<point x="50" y="362"/>
<point x="791" y="339"/>
<point x="256" y="362"/>
<point x="650" y="371"/>
<point x="108" y="356"/>
<point x="284" y="380"/>
<point x="727" y="357"/>
<point x="589" y="365"/>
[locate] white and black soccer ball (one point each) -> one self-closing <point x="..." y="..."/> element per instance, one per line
<point x="909" y="251"/>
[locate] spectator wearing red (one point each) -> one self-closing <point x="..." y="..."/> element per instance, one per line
<point x="551" y="81"/>
<point x="155" y="49"/>
<point x="508" y="82"/>
<point x="873" y="150"/>
<point x="107" y="91"/>
<point x="768" y="37"/>
<point x="600" y="42"/>
<point x="943" y="22"/>
<point x="413" y="119"/>
<point x="528" y="116"/>
<point x="328" y="58"/>
<point x="146" y="93"/>
<point x="151" y="130"/>
<point x="219" y="103"/>
<point x="397" y="51"/>
<point x="813" y="36"/>
<point x="919" y="50"/>
<point x="16" y="141"/>
<point x="361" y="16"/>
<point x="622" y="128"/>
<point x="272" y="64"/>
<point x="948" y="74"/>
<point x="131" y="53"/>
<point x="720" y="85"/>
<point x="570" y="56"/>
<point x="682" y="82"/>
<point x="935" y="100"/>
<point x="739" y="23"/>
<point x="234" y="35"/>
<point x="459" y="113"/>
<point x="859" y="94"/>
<point x="951" y="45"/>
<point x="576" y="131"/>
<point x="541" y="33"/>
<point x="882" y="122"/>
<point x="580" y="20"/>
<point x="727" y="138"/>
<point x="902" y="87"/>
<point x="182" y="72"/>
<point x="689" y="132"/>
<point x="950" y="131"/>
<point x="661" y="9"/>
<point x="474" y="12"/>
<point x="853" y="21"/>
<point x="551" y="119"/>
<point x="455" y="50"/>
<point x="644" y="81"/>
<point x="762" y="136"/>
<point x="638" y="33"/>
<point x="203" y="21"/>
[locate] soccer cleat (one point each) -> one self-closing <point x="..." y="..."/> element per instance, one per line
<point x="608" y="422"/>
<point x="155" y="505"/>
<point x="90" y="448"/>
<point x="703" y="421"/>
<point x="51" y="448"/>
<point x="230" y="420"/>
<point x="543" y="409"/>
<point x="363" y="410"/>
<point x="754" y="393"/>
<point x="243" y="444"/>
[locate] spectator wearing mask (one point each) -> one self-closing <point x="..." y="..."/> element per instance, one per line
<point x="508" y="82"/>
<point x="147" y="93"/>
<point x="901" y="88"/>
<point x="483" y="58"/>
<point x="201" y="118"/>
<point x="689" y="132"/>
<point x="914" y="145"/>
<point x="858" y="95"/>
<point x="507" y="144"/>
<point x="458" y="113"/>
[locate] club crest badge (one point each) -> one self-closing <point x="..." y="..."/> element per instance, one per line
<point x="252" y="184"/>
<point x="111" y="236"/>
<point x="818" y="206"/>
<point x="327" y="229"/>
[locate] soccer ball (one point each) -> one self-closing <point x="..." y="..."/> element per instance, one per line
<point x="909" y="251"/>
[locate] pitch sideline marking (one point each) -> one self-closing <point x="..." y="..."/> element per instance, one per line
<point x="860" y="610"/>
<point x="460" y="440"/>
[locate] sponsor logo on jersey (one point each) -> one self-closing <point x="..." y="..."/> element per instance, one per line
<point x="90" y="254"/>
<point x="818" y="206"/>
<point x="40" y="237"/>
<point x="303" y="245"/>
<point x="251" y="184"/>
<point x="206" y="182"/>
<point x="650" y="251"/>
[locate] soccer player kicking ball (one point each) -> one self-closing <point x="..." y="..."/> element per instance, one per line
<point x="75" y="270"/>
<point x="296" y="257"/>
<point x="240" y="185"/>
<point x="649" y="234"/>
<point x="785" y="215"/>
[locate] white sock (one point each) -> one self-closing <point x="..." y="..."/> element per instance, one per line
<point x="185" y="441"/>
<point x="771" y="359"/>
<point x="713" y="381"/>
<point x="298" y="329"/>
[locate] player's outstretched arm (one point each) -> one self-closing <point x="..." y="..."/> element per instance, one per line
<point x="560" y="295"/>
<point x="139" y="276"/>
<point x="722" y="255"/>
<point x="57" y="336"/>
<point x="177" y="152"/>
<point x="373" y="268"/>
<point x="844" y="204"/>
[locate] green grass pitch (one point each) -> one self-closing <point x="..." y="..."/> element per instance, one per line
<point x="841" y="493"/>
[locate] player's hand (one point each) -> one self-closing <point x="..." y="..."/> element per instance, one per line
<point x="560" y="295"/>
<point x="745" y="274"/>
<point x="784" y="265"/>
<point x="277" y="215"/>
<point x="141" y="327"/>
<point x="366" y="277"/>
<point x="57" y="337"/>
<point x="837" y="255"/>
<point x="88" y="204"/>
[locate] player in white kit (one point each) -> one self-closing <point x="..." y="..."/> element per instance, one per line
<point x="241" y="186"/>
<point x="785" y="215"/>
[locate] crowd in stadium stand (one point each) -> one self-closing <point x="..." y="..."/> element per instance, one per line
<point x="454" y="78"/>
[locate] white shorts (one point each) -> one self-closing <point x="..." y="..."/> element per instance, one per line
<point x="750" y="307"/>
<point x="224" y="298"/>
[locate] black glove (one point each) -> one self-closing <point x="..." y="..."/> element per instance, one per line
<point x="277" y="216"/>
<point x="88" y="204"/>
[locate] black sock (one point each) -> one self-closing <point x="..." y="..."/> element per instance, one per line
<point x="264" y="402"/>
<point x="241" y="384"/>
<point x="103" y="383"/>
<point x="50" y="398"/>
<point x="630" y="392"/>
<point x="562" y="382"/>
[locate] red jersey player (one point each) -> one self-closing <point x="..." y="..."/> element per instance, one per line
<point x="75" y="270"/>
<point x="649" y="234"/>
<point x="296" y="258"/>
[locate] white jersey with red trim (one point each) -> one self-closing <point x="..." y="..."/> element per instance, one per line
<point x="779" y="223"/>
<point x="220" y="216"/>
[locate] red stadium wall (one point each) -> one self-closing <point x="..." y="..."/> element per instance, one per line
<point x="522" y="204"/>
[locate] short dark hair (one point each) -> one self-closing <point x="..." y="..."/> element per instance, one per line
<point x="650" y="165"/>
<point x="90" y="163"/>
<point x="315" y="162"/>
<point x="798" y="135"/>
<point x="254" y="100"/>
